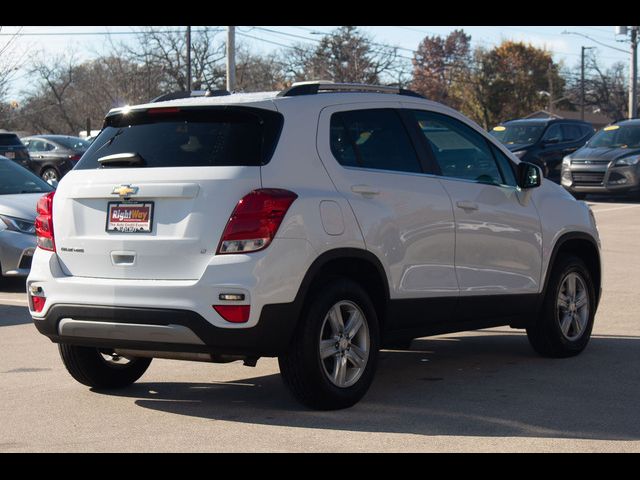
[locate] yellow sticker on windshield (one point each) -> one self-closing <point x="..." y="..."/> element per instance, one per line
<point x="364" y="136"/>
<point x="611" y="127"/>
<point x="499" y="128"/>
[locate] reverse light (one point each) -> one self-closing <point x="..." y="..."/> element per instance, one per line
<point x="37" y="298"/>
<point x="255" y="220"/>
<point x="233" y="313"/>
<point x="44" y="222"/>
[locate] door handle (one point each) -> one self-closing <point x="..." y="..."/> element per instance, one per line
<point x="365" y="190"/>
<point x="467" y="205"/>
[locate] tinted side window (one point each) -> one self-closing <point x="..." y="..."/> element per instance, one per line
<point x="460" y="151"/>
<point x="373" y="138"/>
<point x="506" y="167"/>
<point x="571" y="133"/>
<point x="553" y="133"/>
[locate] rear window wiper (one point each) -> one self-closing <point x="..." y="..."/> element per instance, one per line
<point x="126" y="159"/>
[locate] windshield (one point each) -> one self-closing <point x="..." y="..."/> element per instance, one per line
<point x="515" y="133"/>
<point x="73" y="143"/>
<point x="16" y="179"/>
<point x="617" y="136"/>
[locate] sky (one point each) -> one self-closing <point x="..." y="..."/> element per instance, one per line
<point x="88" y="41"/>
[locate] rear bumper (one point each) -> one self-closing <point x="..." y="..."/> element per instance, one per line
<point x="16" y="251"/>
<point x="169" y="330"/>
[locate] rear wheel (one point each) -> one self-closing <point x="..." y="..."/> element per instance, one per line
<point x="332" y="359"/>
<point x="564" y="325"/>
<point x="101" y="368"/>
<point x="50" y="174"/>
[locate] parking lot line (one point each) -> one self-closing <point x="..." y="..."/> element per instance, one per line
<point x="599" y="210"/>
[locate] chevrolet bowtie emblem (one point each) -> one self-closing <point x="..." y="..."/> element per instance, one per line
<point x="124" y="190"/>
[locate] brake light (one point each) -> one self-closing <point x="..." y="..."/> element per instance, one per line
<point x="163" y="110"/>
<point x="74" y="158"/>
<point x="44" y="222"/>
<point x="233" y="313"/>
<point x="255" y="220"/>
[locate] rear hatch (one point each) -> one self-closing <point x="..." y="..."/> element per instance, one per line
<point x="152" y="195"/>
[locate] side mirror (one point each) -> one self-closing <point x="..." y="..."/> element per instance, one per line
<point x="529" y="175"/>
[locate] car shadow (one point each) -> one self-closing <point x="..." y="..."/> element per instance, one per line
<point x="13" y="285"/>
<point x="14" y="315"/>
<point x="604" y="198"/>
<point x="482" y="384"/>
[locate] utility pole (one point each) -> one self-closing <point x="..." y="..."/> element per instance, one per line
<point x="231" y="59"/>
<point x="188" y="59"/>
<point x="633" y="80"/>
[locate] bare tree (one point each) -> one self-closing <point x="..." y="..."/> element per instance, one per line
<point x="258" y="73"/>
<point x="344" y="55"/>
<point x="166" y="50"/>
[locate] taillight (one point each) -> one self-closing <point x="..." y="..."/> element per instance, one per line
<point x="44" y="222"/>
<point x="255" y="220"/>
<point x="75" y="158"/>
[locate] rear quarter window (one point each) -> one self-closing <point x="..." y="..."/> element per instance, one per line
<point x="203" y="137"/>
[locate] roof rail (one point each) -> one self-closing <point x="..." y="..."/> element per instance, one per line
<point x="326" y="86"/>
<point x="195" y="93"/>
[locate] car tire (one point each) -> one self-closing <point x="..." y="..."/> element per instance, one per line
<point x="324" y="368"/>
<point x="50" y="173"/>
<point x="90" y="367"/>
<point x="564" y="324"/>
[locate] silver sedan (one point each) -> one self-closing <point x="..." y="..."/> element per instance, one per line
<point x="20" y="191"/>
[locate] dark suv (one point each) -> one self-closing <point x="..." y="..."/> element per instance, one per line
<point x="12" y="148"/>
<point x="544" y="141"/>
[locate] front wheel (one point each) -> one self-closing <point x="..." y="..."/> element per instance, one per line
<point x="564" y="325"/>
<point x="332" y="359"/>
<point x="101" y="368"/>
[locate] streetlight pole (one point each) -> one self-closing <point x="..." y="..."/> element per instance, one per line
<point x="188" y="59"/>
<point x="633" y="75"/>
<point x="231" y="59"/>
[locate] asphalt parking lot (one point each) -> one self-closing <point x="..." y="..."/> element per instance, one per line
<point x="483" y="391"/>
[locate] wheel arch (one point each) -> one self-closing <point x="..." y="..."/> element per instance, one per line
<point x="359" y="265"/>
<point x="586" y="248"/>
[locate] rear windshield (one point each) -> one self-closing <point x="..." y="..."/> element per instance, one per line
<point x="9" y="139"/>
<point x="16" y="179"/>
<point x="238" y="136"/>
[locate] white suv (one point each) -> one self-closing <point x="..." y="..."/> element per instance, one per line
<point x="318" y="225"/>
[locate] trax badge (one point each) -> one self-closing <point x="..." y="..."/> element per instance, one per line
<point x="124" y="190"/>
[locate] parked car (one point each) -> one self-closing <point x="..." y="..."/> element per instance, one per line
<point x="12" y="148"/>
<point x="316" y="225"/>
<point x="52" y="156"/>
<point x="20" y="191"/>
<point x="544" y="141"/>
<point x="608" y="163"/>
